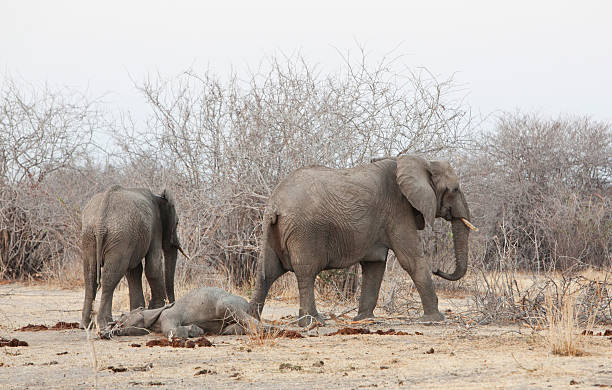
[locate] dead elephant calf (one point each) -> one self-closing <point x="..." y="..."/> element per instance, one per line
<point x="206" y="310"/>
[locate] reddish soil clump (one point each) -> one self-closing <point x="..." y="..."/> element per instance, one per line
<point x="179" y="343"/>
<point x="392" y="332"/>
<point x="59" y="326"/>
<point x="350" y="331"/>
<point x="290" y="334"/>
<point x="32" y="328"/>
<point x="65" y="325"/>
<point x="12" y="343"/>
<point x="353" y="331"/>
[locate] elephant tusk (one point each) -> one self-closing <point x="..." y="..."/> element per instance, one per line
<point x="469" y="225"/>
<point x="183" y="252"/>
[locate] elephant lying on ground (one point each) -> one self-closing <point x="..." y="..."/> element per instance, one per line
<point x="320" y="218"/>
<point x="207" y="310"/>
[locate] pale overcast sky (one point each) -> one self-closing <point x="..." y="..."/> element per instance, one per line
<point x="548" y="56"/>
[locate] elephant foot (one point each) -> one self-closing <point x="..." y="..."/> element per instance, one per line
<point x="84" y="324"/>
<point x="105" y="323"/>
<point x="254" y="311"/>
<point x="156" y="304"/>
<point x="308" y="320"/>
<point x="363" y="316"/>
<point x="195" y="331"/>
<point x="434" y="317"/>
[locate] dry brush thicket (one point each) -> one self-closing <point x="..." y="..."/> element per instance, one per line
<point x="539" y="188"/>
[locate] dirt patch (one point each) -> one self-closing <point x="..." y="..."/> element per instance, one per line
<point x="465" y="356"/>
<point x="12" y="343"/>
<point x="58" y="326"/>
<point x="180" y="343"/>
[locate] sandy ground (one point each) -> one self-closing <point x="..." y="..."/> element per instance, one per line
<point x="459" y="357"/>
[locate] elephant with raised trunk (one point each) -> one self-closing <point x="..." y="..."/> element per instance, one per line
<point x="120" y="227"/>
<point x="321" y="218"/>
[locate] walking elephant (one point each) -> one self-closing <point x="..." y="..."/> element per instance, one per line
<point x="321" y="218"/>
<point x="120" y="227"/>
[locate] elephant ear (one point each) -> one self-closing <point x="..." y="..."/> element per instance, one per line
<point x="414" y="180"/>
<point x="151" y="315"/>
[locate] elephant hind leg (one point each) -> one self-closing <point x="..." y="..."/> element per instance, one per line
<point x="110" y="279"/>
<point x="371" y="277"/>
<point x="269" y="268"/>
<point x="308" y="309"/>
<point x="233" y="329"/>
<point x="90" y="278"/>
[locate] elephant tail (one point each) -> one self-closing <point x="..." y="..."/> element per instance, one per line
<point x="100" y="235"/>
<point x="272" y="247"/>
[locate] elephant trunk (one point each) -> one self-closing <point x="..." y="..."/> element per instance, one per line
<point x="169" y="268"/>
<point x="460" y="241"/>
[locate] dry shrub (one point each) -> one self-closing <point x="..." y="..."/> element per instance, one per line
<point x="542" y="186"/>
<point x="44" y="134"/>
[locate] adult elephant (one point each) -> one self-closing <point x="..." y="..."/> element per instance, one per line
<point x="120" y="227"/>
<point x="321" y="218"/>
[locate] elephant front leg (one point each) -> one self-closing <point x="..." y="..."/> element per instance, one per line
<point x="372" y="275"/>
<point x="155" y="276"/>
<point x="421" y="276"/>
<point x="134" y="278"/>
<point x="407" y="247"/>
<point x="308" y="309"/>
<point x="181" y="331"/>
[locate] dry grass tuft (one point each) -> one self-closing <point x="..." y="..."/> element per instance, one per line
<point x="563" y="336"/>
<point x="259" y="336"/>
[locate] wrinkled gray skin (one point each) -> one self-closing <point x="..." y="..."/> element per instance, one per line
<point x="120" y="227"/>
<point x="320" y="218"/>
<point x="206" y="310"/>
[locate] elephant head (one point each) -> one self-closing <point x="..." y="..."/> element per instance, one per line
<point x="432" y="188"/>
<point x="170" y="240"/>
<point x="138" y="322"/>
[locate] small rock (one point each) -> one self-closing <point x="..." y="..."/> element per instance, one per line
<point x="117" y="369"/>
<point x="430" y="351"/>
<point x="289" y="366"/>
<point x="205" y="372"/>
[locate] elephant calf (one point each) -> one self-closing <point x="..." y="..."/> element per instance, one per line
<point x="207" y="310"/>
